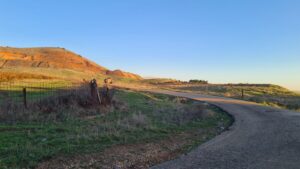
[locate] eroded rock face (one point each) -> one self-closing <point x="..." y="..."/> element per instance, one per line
<point x="46" y="58"/>
<point x="59" y="58"/>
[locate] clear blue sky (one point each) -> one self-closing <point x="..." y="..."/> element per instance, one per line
<point x="254" y="41"/>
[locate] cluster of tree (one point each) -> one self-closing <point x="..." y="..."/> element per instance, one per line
<point x="198" y="81"/>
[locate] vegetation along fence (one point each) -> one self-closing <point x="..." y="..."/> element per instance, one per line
<point x="25" y="94"/>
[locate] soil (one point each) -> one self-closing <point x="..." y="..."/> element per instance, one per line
<point x="133" y="156"/>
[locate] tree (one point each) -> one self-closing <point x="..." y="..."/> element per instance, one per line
<point x="198" y="81"/>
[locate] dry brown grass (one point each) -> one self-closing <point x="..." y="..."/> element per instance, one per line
<point x="9" y="76"/>
<point x="63" y="105"/>
<point x="267" y="94"/>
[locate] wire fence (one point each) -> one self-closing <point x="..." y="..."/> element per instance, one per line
<point x="35" y="101"/>
<point x="29" y="92"/>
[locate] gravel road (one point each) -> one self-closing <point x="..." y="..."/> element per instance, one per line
<point x="260" y="138"/>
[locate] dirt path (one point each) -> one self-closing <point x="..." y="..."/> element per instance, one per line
<point x="261" y="137"/>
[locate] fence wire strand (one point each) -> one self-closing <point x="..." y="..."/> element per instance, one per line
<point x="35" y="91"/>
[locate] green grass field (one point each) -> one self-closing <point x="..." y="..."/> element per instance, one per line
<point x="143" y="117"/>
<point x="35" y="90"/>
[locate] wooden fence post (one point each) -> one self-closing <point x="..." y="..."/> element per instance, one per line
<point x="94" y="91"/>
<point x="107" y="93"/>
<point x="25" y="98"/>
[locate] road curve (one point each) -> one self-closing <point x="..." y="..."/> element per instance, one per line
<point x="260" y="138"/>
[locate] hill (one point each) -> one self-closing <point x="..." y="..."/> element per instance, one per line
<point x="51" y="63"/>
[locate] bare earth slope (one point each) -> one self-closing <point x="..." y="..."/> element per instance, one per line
<point x="261" y="137"/>
<point x="53" y="58"/>
<point x="46" y="58"/>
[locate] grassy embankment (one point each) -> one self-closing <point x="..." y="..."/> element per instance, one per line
<point x="69" y="127"/>
<point x="271" y="95"/>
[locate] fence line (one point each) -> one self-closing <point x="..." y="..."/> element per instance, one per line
<point x="27" y="92"/>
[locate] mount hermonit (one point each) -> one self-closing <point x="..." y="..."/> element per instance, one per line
<point x="48" y="59"/>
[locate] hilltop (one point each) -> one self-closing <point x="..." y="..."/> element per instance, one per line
<point x="47" y="62"/>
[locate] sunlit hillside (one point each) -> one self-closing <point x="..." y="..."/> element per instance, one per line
<point x="52" y="64"/>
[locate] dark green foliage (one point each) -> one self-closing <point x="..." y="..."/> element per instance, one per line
<point x="198" y="81"/>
